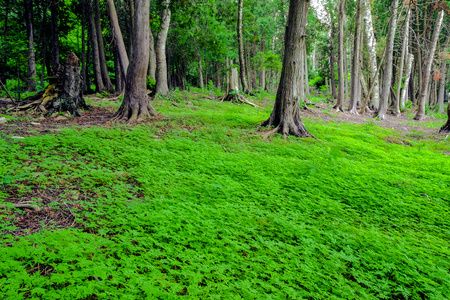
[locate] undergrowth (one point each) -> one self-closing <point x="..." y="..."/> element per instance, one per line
<point x="198" y="205"/>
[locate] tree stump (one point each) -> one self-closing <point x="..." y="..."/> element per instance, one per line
<point x="232" y="93"/>
<point x="64" y="94"/>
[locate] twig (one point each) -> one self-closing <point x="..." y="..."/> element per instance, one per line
<point x="423" y="194"/>
<point x="12" y="99"/>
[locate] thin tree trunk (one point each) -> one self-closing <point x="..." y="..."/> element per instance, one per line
<point x="285" y="116"/>
<point x="83" y="46"/>
<point x="242" y="69"/>
<point x="409" y="62"/>
<point x="331" y="53"/>
<point x="101" y="50"/>
<point x="55" y="34"/>
<point x="427" y="70"/>
<point x="355" y="63"/>
<point x="44" y="46"/>
<point x="306" y="72"/>
<point x="200" y="73"/>
<point x="387" y="76"/>
<point x="402" y="61"/>
<point x="346" y="79"/>
<point x="152" y="60"/>
<point x="371" y="47"/>
<point x="262" y="74"/>
<point x="5" y="37"/>
<point x="118" y="39"/>
<point x="162" y="86"/>
<point x="340" y="98"/>
<point x="95" y="57"/>
<point x="32" y="74"/>
<point x="131" y="26"/>
<point x="136" y="105"/>
<point x="442" y="81"/>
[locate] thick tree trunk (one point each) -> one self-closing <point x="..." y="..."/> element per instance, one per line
<point x="372" y="57"/>
<point x="152" y="57"/>
<point x="355" y="62"/>
<point x="387" y="76"/>
<point x="331" y="53"/>
<point x="409" y="62"/>
<point x="101" y="50"/>
<point x="162" y="86"/>
<point x="136" y="105"/>
<point x="32" y="74"/>
<point x="55" y="34"/>
<point x="242" y="69"/>
<point x="95" y="57"/>
<point x="285" y="116"/>
<point x="427" y="70"/>
<point x="402" y="61"/>
<point x="118" y="39"/>
<point x="340" y="98"/>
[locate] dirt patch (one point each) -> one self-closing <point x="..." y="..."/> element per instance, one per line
<point x="397" y="140"/>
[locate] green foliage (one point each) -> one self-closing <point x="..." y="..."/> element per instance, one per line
<point x="317" y="82"/>
<point x="151" y="83"/>
<point x="198" y="204"/>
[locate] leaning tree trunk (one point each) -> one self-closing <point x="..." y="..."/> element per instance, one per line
<point x="387" y="76"/>
<point x="340" y="98"/>
<point x="355" y="63"/>
<point x="162" y="86"/>
<point x="242" y="73"/>
<point x="136" y="105"/>
<point x="118" y="39"/>
<point x="65" y="94"/>
<point x="427" y="71"/>
<point x="285" y="117"/>
<point x="32" y="74"/>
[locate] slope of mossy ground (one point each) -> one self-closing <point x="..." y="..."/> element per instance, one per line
<point x="197" y="205"/>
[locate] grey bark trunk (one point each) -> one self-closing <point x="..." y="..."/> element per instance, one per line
<point x="442" y="81"/>
<point x="355" y="62"/>
<point x="162" y="86"/>
<point x="83" y="46"/>
<point x="340" y="98"/>
<point x="200" y="73"/>
<point x="118" y="39"/>
<point x="262" y="74"/>
<point x="101" y="50"/>
<point x="402" y="61"/>
<point x="372" y="57"/>
<point x="152" y="57"/>
<point x="409" y="62"/>
<point x="242" y="69"/>
<point x="387" y="76"/>
<point x="136" y="105"/>
<point x="285" y="116"/>
<point x="306" y="73"/>
<point x="427" y="70"/>
<point x="32" y="74"/>
<point x="331" y="53"/>
<point x="95" y="57"/>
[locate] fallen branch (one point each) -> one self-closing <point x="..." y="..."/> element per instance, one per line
<point x="11" y="97"/>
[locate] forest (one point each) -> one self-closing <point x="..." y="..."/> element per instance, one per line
<point x="232" y="149"/>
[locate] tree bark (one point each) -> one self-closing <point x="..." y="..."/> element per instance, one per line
<point x="83" y="45"/>
<point x="387" y="76"/>
<point x="262" y="74"/>
<point x="242" y="69"/>
<point x="446" y="127"/>
<point x="200" y="73"/>
<point x="306" y="72"/>
<point x="355" y="62"/>
<point x="442" y="80"/>
<point x="136" y="105"/>
<point x="152" y="57"/>
<point x="427" y="70"/>
<point x="95" y="57"/>
<point x="331" y="53"/>
<point x="162" y="86"/>
<point x="285" y="116"/>
<point x="101" y="50"/>
<point x="402" y="61"/>
<point x="55" y="34"/>
<point x="32" y="74"/>
<point x="409" y="62"/>
<point x="372" y="57"/>
<point x="118" y="39"/>
<point x="340" y="98"/>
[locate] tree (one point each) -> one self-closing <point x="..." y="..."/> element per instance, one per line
<point x="340" y="98"/>
<point x="446" y="127"/>
<point x="355" y="63"/>
<point x="285" y="116"/>
<point x="162" y="86"/>
<point x="32" y="74"/>
<point x="136" y="105"/>
<point x="242" y="69"/>
<point x="118" y="39"/>
<point x="442" y="80"/>
<point x="100" y="87"/>
<point x="55" y="33"/>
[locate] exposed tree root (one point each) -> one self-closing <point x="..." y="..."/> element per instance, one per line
<point x="235" y="97"/>
<point x="292" y="127"/>
<point x="446" y="127"/>
<point x="134" y="113"/>
<point x="24" y="206"/>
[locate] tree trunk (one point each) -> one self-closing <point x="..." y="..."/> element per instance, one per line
<point x="340" y="98"/>
<point x="409" y="61"/>
<point x="119" y="80"/>
<point x="131" y="26"/>
<point x="285" y="116"/>
<point x="95" y="57"/>
<point x="136" y="105"/>
<point x="387" y="76"/>
<point x="242" y="69"/>
<point x="442" y="81"/>
<point x="262" y="74"/>
<point x="427" y="70"/>
<point x="402" y="61"/>
<point x="371" y="47"/>
<point x="332" y="77"/>
<point x="162" y="86"/>
<point x="355" y="62"/>
<point x="83" y="46"/>
<point x="446" y="127"/>
<point x="152" y="58"/>
<point x="32" y="74"/>
<point x="55" y="34"/>
<point x="101" y="50"/>
<point x="200" y="73"/>
<point x="118" y="39"/>
<point x="306" y="72"/>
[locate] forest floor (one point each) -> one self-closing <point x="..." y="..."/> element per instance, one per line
<point x="195" y="202"/>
